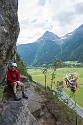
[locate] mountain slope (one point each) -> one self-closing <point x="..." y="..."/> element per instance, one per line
<point x="27" y="52"/>
<point x="46" y="52"/>
<point x="43" y="51"/>
<point x="37" y="53"/>
<point x="72" y="47"/>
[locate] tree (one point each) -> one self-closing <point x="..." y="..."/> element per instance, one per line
<point x="56" y="64"/>
<point x="45" y="74"/>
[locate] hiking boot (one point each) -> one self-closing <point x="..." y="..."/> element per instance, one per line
<point x="16" y="98"/>
<point x="24" y="96"/>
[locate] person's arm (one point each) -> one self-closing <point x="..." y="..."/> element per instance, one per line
<point x="9" y="77"/>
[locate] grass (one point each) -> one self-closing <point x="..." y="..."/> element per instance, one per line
<point x="66" y="114"/>
<point x="78" y="95"/>
<point x="60" y="74"/>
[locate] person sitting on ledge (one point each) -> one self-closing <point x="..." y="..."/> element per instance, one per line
<point x="13" y="80"/>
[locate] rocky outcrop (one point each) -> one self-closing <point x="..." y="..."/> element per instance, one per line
<point x="9" y="30"/>
<point x="17" y="113"/>
<point x="22" y="112"/>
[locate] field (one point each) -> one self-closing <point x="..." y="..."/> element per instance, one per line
<point x="60" y="74"/>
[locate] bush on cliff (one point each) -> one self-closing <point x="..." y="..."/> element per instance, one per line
<point x="22" y="68"/>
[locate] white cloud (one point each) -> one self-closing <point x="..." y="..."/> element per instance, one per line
<point x="41" y="2"/>
<point x="57" y="16"/>
<point x="79" y="8"/>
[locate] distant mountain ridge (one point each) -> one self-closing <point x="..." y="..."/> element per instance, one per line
<point x="43" y="51"/>
<point x="50" y="36"/>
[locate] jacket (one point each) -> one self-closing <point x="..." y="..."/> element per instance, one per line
<point x="13" y="76"/>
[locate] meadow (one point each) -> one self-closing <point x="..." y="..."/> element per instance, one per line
<point x="60" y="74"/>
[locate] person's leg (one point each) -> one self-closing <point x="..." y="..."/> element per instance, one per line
<point x="14" y="87"/>
<point x="23" y="94"/>
<point x="16" y="98"/>
<point x="22" y="89"/>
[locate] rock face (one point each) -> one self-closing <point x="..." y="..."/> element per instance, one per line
<point x="9" y="30"/>
<point x="17" y="113"/>
<point x="22" y="112"/>
<point x="12" y="112"/>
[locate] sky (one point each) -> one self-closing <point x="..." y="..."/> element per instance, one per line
<point x="57" y="16"/>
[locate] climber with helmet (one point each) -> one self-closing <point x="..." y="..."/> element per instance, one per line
<point x="13" y="80"/>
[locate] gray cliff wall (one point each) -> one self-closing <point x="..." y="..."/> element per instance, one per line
<point x="9" y="31"/>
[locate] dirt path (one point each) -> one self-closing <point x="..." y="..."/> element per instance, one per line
<point x="46" y="118"/>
